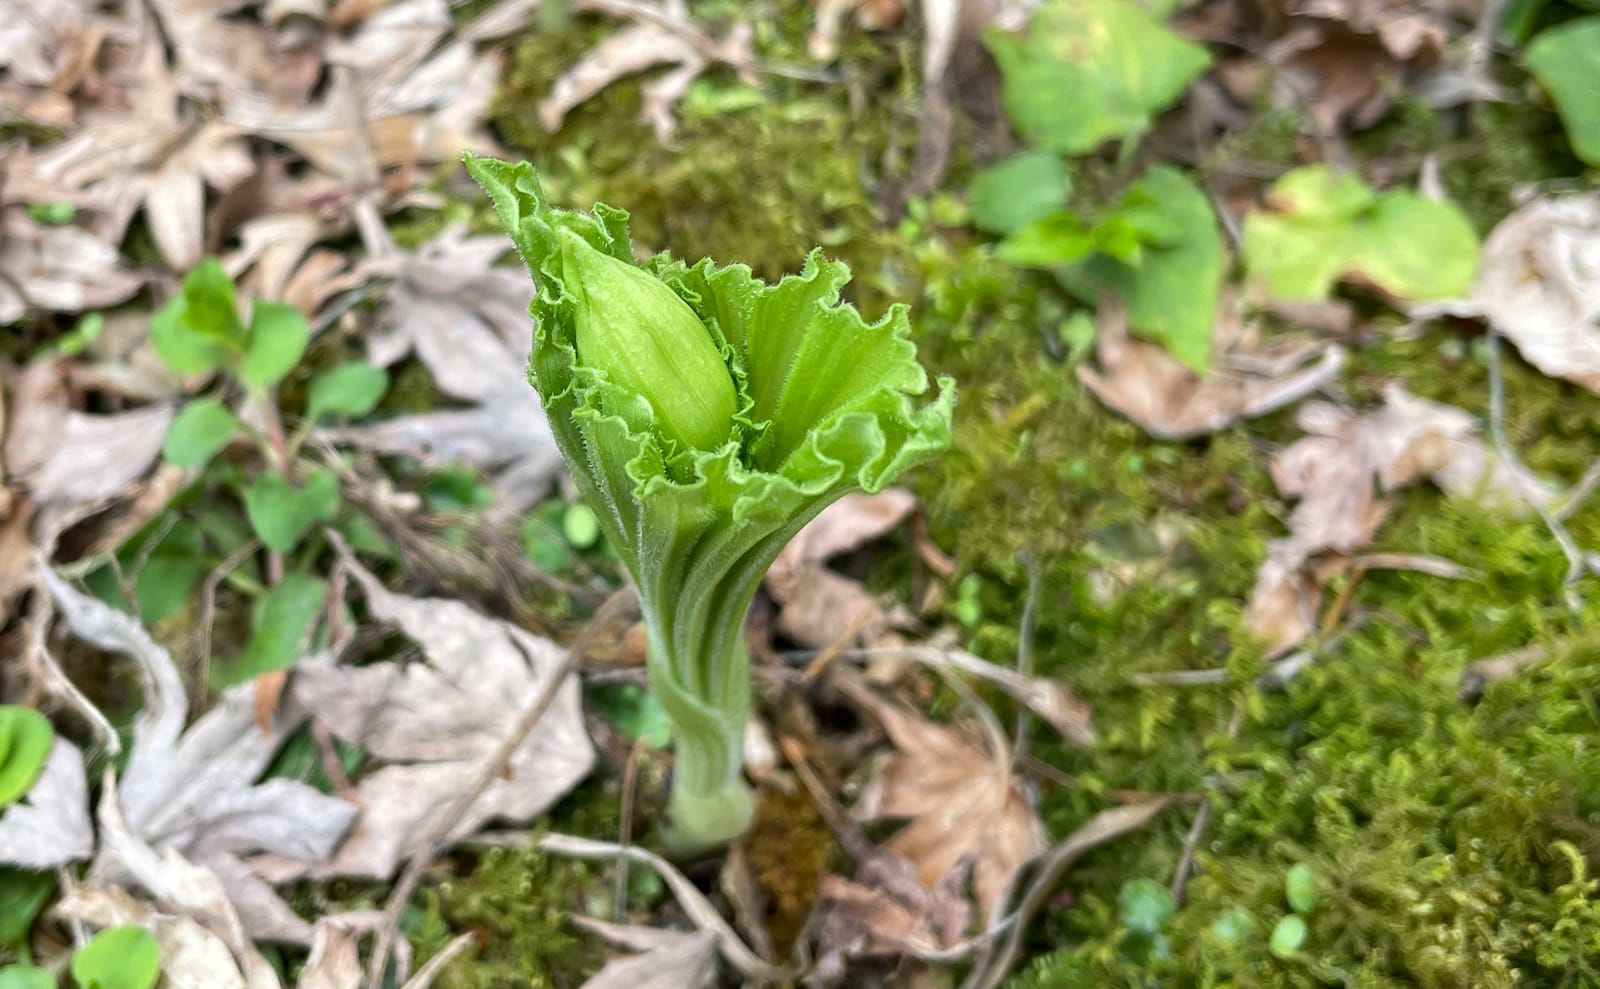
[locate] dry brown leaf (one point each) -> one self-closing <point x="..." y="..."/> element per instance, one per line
<point x="1345" y="60"/>
<point x="1539" y="284"/>
<point x="665" y="959"/>
<point x="885" y="911"/>
<point x="61" y="269"/>
<point x="149" y="154"/>
<point x="966" y="808"/>
<point x="817" y="605"/>
<point x="1337" y="474"/>
<point x="467" y="321"/>
<point x="660" y="35"/>
<point x="432" y="723"/>
<point x="1252" y="377"/>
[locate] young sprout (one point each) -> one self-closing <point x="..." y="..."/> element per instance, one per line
<point x="706" y="417"/>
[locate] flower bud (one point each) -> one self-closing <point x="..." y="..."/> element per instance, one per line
<point x="646" y="339"/>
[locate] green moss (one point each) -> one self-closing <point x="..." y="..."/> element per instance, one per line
<point x="1507" y="146"/>
<point x="728" y="186"/>
<point x="518" y="902"/>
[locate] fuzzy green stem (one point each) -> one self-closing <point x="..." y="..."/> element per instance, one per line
<point x="711" y="804"/>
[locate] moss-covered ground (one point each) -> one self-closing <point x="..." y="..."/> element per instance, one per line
<point x="1452" y="842"/>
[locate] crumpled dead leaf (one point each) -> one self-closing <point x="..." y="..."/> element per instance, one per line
<point x="665" y="959"/>
<point x="149" y="154"/>
<point x="1251" y="376"/>
<point x="1539" y="285"/>
<point x="1338" y="473"/>
<point x="432" y="723"/>
<point x="884" y="912"/>
<point x="966" y="808"/>
<point x="818" y="606"/>
<point x="57" y="268"/>
<point x="467" y="321"/>
<point x="46" y="48"/>
<point x="193" y="793"/>
<point x="660" y="35"/>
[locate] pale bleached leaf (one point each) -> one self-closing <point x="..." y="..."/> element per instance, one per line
<point x="467" y="322"/>
<point x="194" y="793"/>
<point x="432" y="723"/>
<point x="50" y="827"/>
<point x="665" y="959"/>
<point x="57" y="269"/>
<point x="1539" y="285"/>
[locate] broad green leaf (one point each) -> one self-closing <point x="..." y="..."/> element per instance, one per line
<point x="26" y="977"/>
<point x="118" y="958"/>
<point x="1288" y="936"/>
<point x="280" y="512"/>
<point x="1300" y="887"/>
<point x="1329" y="227"/>
<point x="1089" y="71"/>
<point x="1171" y="296"/>
<point x="1057" y="239"/>
<point x="281" y="623"/>
<point x="25" y="740"/>
<point x="198" y="432"/>
<point x="1566" y="61"/>
<point x="23" y="894"/>
<point x="1018" y="191"/>
<point x="353" y="390"/>
<point x="1145" y="905"/>
<point x="277" y="340"/>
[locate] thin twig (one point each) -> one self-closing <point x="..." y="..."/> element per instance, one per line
<point x="694" y="903"/>
<point x="208" y="609"/>
<point x="1025" y="631"/>
<point x="1577" y="560"/>
<point x="630" y="789"/>
<point x="1580" y="492"/>
<point x="430" y="971"/>
<point x="58" y="681"/>
<point x="1191" y="843"/>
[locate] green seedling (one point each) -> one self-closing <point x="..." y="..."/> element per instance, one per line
<point x="706" y="417"/>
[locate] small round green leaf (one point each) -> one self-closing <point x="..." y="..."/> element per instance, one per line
<point x="118" y="958"/>
<point x="1288" y="936"/>
<point x="199" y="432"/>
<point x="26" y="977"/>
<point x="1233" y="926"/>
<point x="1300" y="885"/>
<point x="277" y="339"/>
<point x="580" y="526"/>
<point x="26" y="737"/>
<point x="352" y="390"/>
<point x="1145" y="905"/>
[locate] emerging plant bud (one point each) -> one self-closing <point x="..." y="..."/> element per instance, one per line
<point x="647" y="340"/>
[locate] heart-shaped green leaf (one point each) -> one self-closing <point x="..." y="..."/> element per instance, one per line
<point x="25" y="740"/>
<point x="281" y="513"/>
<point x="281" y="622"/>
<point x="118" y="958"/>
<point x="277" y="340"/>
<point x="199" y="329"/>
<point x="198" y="432"/>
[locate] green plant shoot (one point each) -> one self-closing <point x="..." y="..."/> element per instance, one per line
<point x="706" y="417"/>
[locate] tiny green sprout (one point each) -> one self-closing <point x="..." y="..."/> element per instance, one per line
<point x="706" y="417"/>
